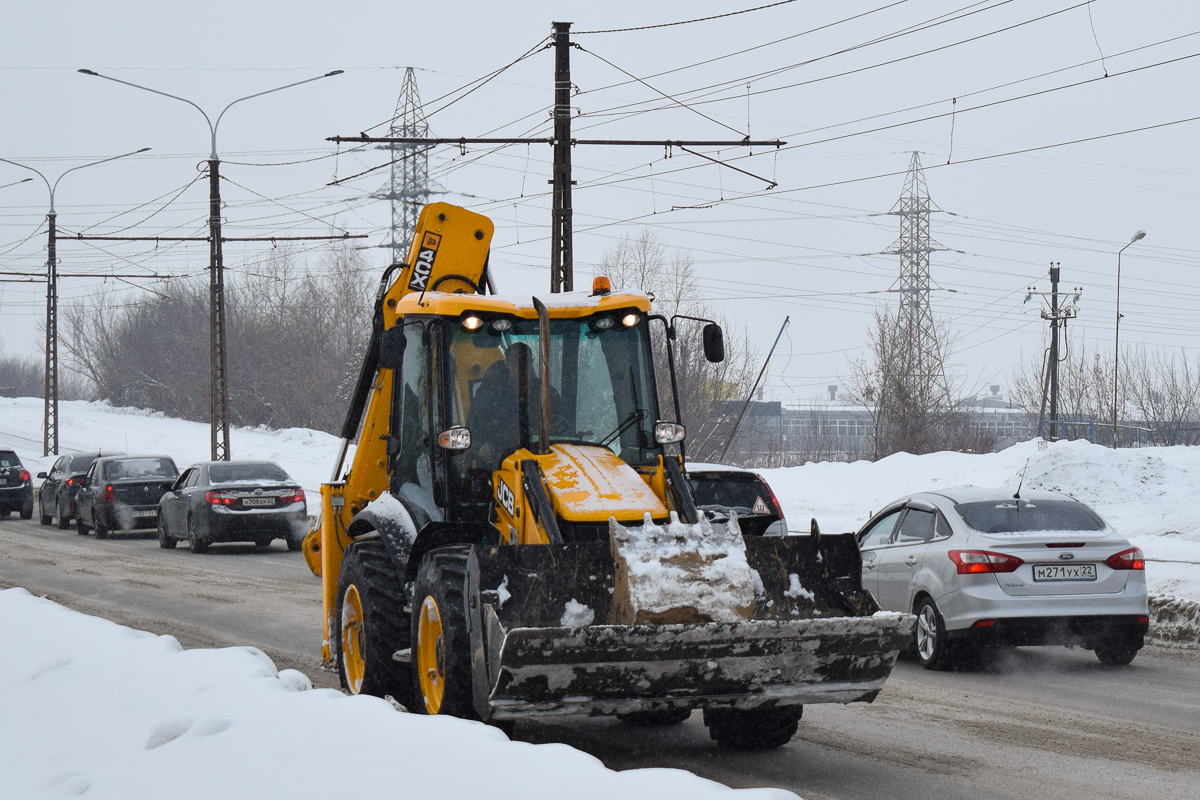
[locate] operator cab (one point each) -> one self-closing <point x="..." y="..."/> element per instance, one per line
<point x="479" y="374"/>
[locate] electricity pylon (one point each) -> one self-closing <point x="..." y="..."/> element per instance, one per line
<point x="408" y="188"/>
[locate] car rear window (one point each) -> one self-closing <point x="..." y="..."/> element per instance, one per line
<point x="9" y="459"/>
<point x="81" y="463"/>
<point x="139" y="468"/>
<point x="232" y="473"/>
<point x="1015" y="516"/>
<point x="730" y="489"/>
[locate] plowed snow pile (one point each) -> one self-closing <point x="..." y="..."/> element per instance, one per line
<point x="1150" y="494"/>
<point x="92" y="707"/>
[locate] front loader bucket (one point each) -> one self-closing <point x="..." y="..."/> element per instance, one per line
<point x="547" y="640"/>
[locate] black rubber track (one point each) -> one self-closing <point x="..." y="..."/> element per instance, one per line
<point x="366" y="565"/>
<point x="753" y="729"/>
<point x="443" y="574"/>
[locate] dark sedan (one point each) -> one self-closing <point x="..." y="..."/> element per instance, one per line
<point x="56" y="495"/>
<point x="122" y="492"/>
<point x="232" y="501"/>
<point x="16" y="490"/>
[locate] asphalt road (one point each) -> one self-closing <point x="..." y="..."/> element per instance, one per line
<point x="1040" y="723"/>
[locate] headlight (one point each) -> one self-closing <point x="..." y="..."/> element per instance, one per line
<point x="629" y="320"/>
<point x="472" y="323"/>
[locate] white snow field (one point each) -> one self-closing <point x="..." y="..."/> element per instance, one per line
<point x="1149" y="494"/>
<point x="85" y="427"/>
<point x="97" y="709"/>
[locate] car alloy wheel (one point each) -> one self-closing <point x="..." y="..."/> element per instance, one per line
<point x="927" y="633"/>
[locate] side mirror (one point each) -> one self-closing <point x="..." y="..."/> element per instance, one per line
<point x="668" y="432"/>
<point x="457" y="438"/>
<point x="391" y="348"/>
<point x="41" y="474"/>
<point x="714" y="343"/>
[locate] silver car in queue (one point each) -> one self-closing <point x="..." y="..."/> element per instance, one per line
<point x="983" y="569"/>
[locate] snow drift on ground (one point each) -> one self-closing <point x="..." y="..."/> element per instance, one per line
<point x="92" y="707"/>
<point x="85" y="427"/>
<point x="1149" y="494"/>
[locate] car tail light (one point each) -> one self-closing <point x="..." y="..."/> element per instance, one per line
<point x="1128" y="559"/>
<point x="110" y="496"/>
<point x="973" y="562"/>
<point x="24" y="476"/>
<point x="219" y="498"/>
<point x="70" y="481"/>
<point x="295" y="497"/>
<point x="771" y="494"/>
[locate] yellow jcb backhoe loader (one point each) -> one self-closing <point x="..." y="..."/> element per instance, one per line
<point x="513" y="538"/>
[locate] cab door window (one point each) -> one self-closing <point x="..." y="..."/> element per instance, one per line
<point x="412" y="470"/>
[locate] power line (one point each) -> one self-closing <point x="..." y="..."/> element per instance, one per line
<point x="690" y="21"/>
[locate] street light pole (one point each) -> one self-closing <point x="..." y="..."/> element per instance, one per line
<point x="1117" y="336"/>
<point x="218" y="374"/>
<point x="50" y="415"/>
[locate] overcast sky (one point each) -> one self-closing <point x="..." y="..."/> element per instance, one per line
<point x="814" y="74"/>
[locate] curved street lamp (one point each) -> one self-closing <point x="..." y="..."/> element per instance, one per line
<point x="1117" y="336"/>
<point x="50" y="419"/>
<point x="218" y="383"/>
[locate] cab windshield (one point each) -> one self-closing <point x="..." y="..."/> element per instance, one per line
<point x="600" y="386"/>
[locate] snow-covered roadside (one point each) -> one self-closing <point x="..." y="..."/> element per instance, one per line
<point x="1148" y="494"/>
<point x="85" y="427"/>
<point x="91" y="706"/>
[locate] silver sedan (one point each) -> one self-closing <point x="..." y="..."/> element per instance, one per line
<point x="983" y="569"/>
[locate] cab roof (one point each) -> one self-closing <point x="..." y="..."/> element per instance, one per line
<point x="563" y="305"/>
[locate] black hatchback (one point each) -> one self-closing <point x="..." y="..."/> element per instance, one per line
<point x="122" y="492"/>
<point x="16" y="490"/>
<point x="56" y="495"/>
<point x="233" y="501"/>
<point x="719" y="490"/>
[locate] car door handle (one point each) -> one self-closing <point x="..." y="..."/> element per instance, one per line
<point x="910" y="560"/>
<point x="869" y="564"/>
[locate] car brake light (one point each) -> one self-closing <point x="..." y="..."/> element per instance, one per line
<point x="1128" y="559"/>
<point x="70" y="481"/>
<point x="295" y="497"/>
<point x="973" y="562"/>
<point x="110" y="496"/>
<point x="24" y="476"/>
<point x="774" y="499"/>
<point x="219" y="498"/>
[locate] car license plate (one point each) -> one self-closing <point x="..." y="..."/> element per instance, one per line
<point x="258" y="501"/>
<point x="145" y="512"/>
<point x="1064" y="572"/>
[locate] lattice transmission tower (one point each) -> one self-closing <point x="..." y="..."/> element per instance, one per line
<point x="915" y="326"/>
<point x="408" y="188"/>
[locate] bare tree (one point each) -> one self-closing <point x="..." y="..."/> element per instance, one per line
<point x="295" y="340"/>
<point x="909" y="412"/>
<point x="1158" y="396"/>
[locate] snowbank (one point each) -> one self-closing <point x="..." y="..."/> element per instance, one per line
<point x="84" y="427"/>
<point x="1148" y="494"/>
<point x="91" y="706"/>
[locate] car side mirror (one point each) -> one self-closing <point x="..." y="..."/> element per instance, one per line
<point x="41" y="474"/>
<point x="391" y="347"/>
<point x="714" y="343"/>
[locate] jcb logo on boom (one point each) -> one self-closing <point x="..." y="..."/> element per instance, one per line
<point x="504" y="496"/>
<point x="424" y="266"/>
